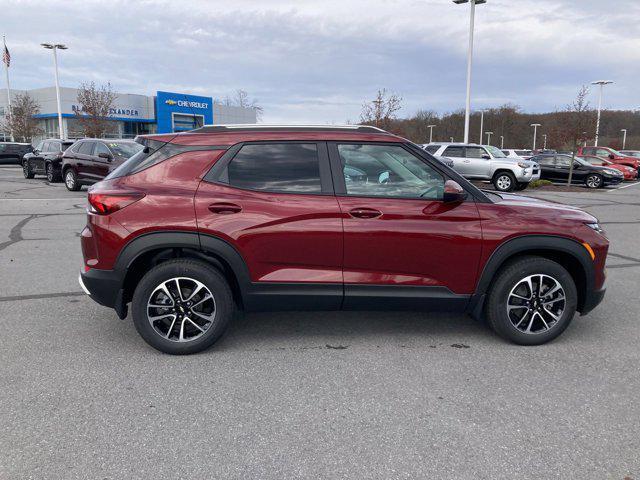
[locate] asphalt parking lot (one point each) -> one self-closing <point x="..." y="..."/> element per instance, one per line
<point x="305" y="395"/>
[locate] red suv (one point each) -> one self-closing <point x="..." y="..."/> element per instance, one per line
<point x="611" y="154"/>
<point x="199" y="224"/>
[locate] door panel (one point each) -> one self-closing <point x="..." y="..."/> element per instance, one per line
<point x="283" y="237"/>
<point x="414" y="241"/>
<point x="477" y="167"/>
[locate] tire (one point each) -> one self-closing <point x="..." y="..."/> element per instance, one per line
<point x="52" y="175"/>
<point x="71" y="180"/>
<point x="594" y="181"/>
<point x="171" y="331"/>
<point x="521" y="186"/>
<point x="512" y="324"/>
<point x="26" y="170"/>
<point x="504" y="181"/>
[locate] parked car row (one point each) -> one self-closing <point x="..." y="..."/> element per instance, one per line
<point x="81" y="162"/>
<point x="485" y="162"/>
<point x="513" y="169"/>
<point x="12" y="152"/>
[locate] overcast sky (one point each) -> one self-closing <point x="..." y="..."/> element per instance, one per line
<point x="317" y="61"/>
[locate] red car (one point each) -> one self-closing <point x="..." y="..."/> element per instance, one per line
<point x="628" y="172"/>
<point x="611" y="154"/>
<point x="200" y="224"/>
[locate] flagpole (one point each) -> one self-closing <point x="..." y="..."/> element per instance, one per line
<point x="6" y="71"/>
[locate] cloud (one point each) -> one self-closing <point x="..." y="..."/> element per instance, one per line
<point x="318" y="61"/>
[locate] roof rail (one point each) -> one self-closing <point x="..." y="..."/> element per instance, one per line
<point x="288" y="128"/>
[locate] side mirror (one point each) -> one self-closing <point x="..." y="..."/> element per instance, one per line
<point x="106" y="156"/>
<point x="486" y="156"/>
<point x="576" y="166"/>
<point x="612" y="156"/>
<point x="453" y="192"/>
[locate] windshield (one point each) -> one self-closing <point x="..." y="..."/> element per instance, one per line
<point x="496" y="152"/>
<point x="125" y="149"/>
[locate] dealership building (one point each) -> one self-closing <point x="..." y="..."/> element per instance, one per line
<point x="132" y="114"/>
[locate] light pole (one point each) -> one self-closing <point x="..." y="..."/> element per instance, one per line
<point x="472" y="14"/>
<point x="451" y="139"/>
<point x="602" y="83"/>
<point x="430" y="127"/>
<point x="501" y="142"/>
<point x="624" y="138"/>
<point x="489" y="137"/>
<point x="54" y="47"/>
<point x="481" y="125"/>
<point x="535" y="133"/>
<point x="545" y="141"/>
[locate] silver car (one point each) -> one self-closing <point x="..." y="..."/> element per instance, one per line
<point x="485" y="162"/>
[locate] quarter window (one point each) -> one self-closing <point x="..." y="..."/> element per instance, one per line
<point x="388" y="171"/>
<point x="286" y="167"/>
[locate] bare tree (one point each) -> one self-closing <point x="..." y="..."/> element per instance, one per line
<point x="240" y="98"/>
<point x="577" y="119"/>
<point x="96" y="103"/>
<point x="381" y="111"/>
<point x="21" y="122"/>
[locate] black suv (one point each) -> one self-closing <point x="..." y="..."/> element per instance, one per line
<point x="90" y="160"/>
<point x="45" y="159"/>
<point x="12" y="152"/>
<point x="555" y="167"/>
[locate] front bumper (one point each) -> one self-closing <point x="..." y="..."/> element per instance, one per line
<point x="528" y="175"/>
<point x="104" y="287"/>
<point x="592" y="299"/>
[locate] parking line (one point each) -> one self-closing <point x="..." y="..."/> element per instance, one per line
<point x="626" y="186"/>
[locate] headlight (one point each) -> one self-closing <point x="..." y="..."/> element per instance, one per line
<point x="523" y="165"/>
<point x="595" y="226"/>
<point x="612" y="172"/>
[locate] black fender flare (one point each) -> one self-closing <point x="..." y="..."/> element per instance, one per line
<point x="193" y="240"/>
<point x="524" y="244"/>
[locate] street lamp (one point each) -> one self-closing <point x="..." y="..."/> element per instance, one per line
<point x="545" y="141"/>
<point x="489" y="137"/>
<point x="451" y="139"/>
<point x="472" y="14"/>
<point x="624" y="138"/>
<point x="430" y="127"/>
<point x="481" y="124"/>
<point x="501" y="142"/>
<point x="54" y="47"/>
<point x="602" y="83"/>
<point x="535" y="132"/>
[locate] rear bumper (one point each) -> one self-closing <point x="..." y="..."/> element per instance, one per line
<point x="104" y="287"/>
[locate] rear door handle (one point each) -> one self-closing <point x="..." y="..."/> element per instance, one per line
<point x="225" y="208"/>
<point x="365" y="213"/>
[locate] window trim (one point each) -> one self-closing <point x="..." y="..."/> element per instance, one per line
<point x="217" y="171"/>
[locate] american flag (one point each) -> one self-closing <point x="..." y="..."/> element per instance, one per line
<point x="6" y="56"/>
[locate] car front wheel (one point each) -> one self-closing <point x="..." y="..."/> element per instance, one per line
<point x="504" y="181"/>
<point x="71" y="181"/>
<point x="532" y="301"/>
<point x="593" y="181"/>
<point x="26" y="169"/>
<point x="182" y="306"/>
<point x="52" y="175"/>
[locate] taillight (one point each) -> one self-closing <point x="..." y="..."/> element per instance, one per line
<point x="105" y="203"/>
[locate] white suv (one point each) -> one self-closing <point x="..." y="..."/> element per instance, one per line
<point x="485" y="162"/>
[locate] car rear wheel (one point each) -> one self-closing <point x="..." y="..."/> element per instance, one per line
<point x="52" y="175"/>
<point x="504" y="181"/>
<point x="26" y="169"/>
<point x="71" y="181"/>
<point x="593" y="181"/>
<point x="182" y="306"/>
<point x="532" y="301"/>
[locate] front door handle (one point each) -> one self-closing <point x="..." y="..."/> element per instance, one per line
<point x="365" y="213"/>
<point x="467" y="161"/>
<point x="225" y="208"/>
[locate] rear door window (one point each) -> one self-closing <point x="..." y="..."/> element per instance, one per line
<point x="86" y="148"/>
<point x="457" y="152"/>
<point x="285" y="167"/>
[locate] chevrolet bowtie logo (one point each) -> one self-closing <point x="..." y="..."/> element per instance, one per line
<point x="170" y="102"/>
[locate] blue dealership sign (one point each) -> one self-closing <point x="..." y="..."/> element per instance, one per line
<point x="177" y="112"/>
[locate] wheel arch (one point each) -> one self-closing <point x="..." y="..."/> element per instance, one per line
<point x="148" y="250"/>
<point x="567" y="252"/>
